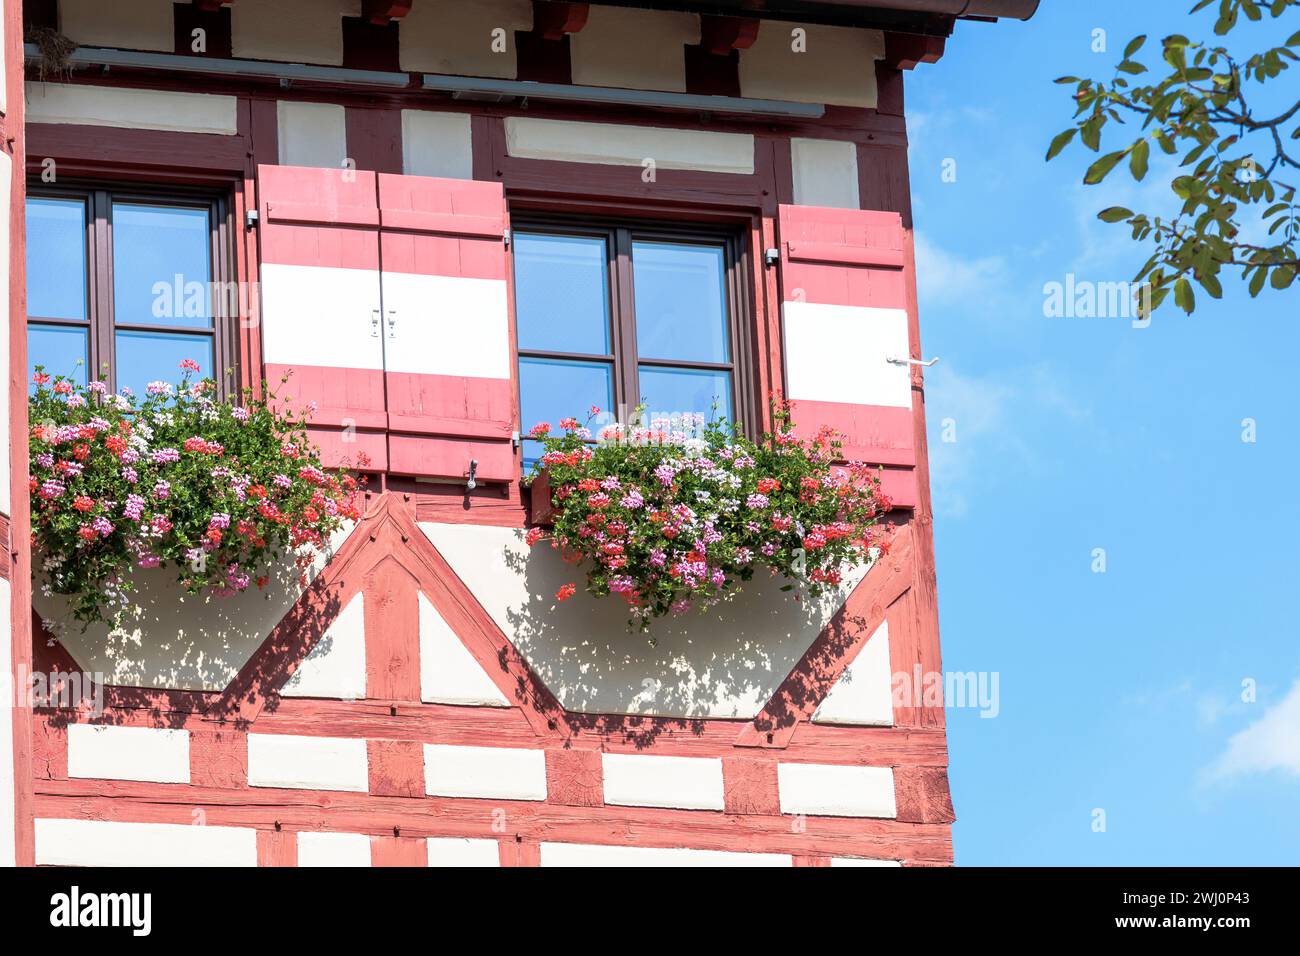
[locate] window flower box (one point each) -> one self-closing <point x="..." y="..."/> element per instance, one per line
<point x="669" y="517"/>
<point x="213" y="490"/>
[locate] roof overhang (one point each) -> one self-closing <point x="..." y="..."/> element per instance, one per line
<point x="931" y="17"/>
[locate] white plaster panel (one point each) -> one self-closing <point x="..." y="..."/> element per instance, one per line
<point x="307" y="763"/>
<point x="294" y="31"/>
<point x="613" y="144"/>
<point x="863" y="694"/>
<point x="590" y="854"/>
<point x="172" y="639"/>
<point x="7" y="848"/>
<point x="836" y="791"/>
<point x="835" y="66"/>
<point x="128" y="108"/>
<point x="465" y="39"/>
<point x="312" y="134"/>
<point x="506" y="773"/>
<point x="336" y="666"/>
<point x="333" y="849"/>
<point x="320" y="315"/>
<point x="449" y="673"/>
<point x="129" y="753"/>
<point x="109" y="843"/>
<point x="437" y="144"/>
<point x="840" y="353"/>
<point x="859" y="861"/>
<point x="633" y="49"/>
<point x="689" y="783"/>
<point x="825" y="172"/>
<point x="726" y="662"/>
<point x="447" y="325"/>
<point x="124" y="24"/>
<point x="458" y="851"/>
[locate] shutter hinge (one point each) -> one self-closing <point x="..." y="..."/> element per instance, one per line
<point x="772" y="256"/>
<point x="505" y="235"/>
<point x="250" y="218"/>
<point x="911" y="361"/>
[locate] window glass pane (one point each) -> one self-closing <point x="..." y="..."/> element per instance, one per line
<point x="57" y="349"/>
<point x="562" y="293"/>
<point x="56" y="258"/>
<point x="681" y="302"/>
<point x="552" y="389"/>
<point x="162" y="266"/>
<point x="144" y="357"/>
<point x="670" y="392"/>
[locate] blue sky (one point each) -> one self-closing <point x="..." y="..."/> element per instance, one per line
<point x="1120" y="691"/>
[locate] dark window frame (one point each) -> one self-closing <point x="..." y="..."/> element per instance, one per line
<point x="101" y="323"/>
<point x="619" y="234"/>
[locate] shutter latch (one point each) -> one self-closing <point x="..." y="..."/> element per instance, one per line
<point x="911" y="361"/>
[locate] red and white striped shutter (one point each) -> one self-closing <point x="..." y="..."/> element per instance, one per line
<point x="450" y="382"/>
<point x="320" y="305"/>
<point x="844" y="315"/>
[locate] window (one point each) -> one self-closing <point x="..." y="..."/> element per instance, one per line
<point x="124" y="284"/>
<point x="618" y="316"/>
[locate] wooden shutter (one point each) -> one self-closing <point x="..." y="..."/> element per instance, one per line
<point x="844" y="314"/>
<point x="450" y="366"/>
<point x="320" y="305"/>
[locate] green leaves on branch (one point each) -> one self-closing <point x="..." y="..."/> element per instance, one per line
<point x="1203" y="107"/>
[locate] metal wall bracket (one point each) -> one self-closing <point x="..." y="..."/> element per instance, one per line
<point x="911" y="361"/>
<point x="472" y="483"/>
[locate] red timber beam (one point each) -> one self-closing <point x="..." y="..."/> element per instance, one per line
<point x="383" y="12"/>
<point x="906" y="51"/>
<point x="720" y="35"/>
<point x="553" y="19"/>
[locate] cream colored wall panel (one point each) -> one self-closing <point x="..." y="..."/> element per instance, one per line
<point x="464" y="39"/>
<point x="643" y="780"/>
<point x="336" y="666"/>
<point x="590" y="854"/>
<point x="296" y="31"/>
<point x="825" y="172"/>
<point x="836" y="65"/>
<point x="437" y="144"/>
<point x="308" y="763"/>
<point x="836" y="791"/>
<point x="62" y="842"/>
<point x="505" y="773"/>
<point x="172" y="639"/>
<point x="611" y="144"/>
<point x="724" y="663"/>
<point x="333" y="849"/>
<point x="128" y="753"/>
<point x="863" y="694"/>
<point x="125" y="24"/>
<point x="468" y="851"/>
<point x="633" y="49"/>
<point x="449" y="673"/>
<point x="312" y="134"/>
<point x="128" y="108"/>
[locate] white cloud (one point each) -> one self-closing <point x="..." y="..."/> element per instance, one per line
<point x="1271" y="743"/>
<point x="945" y="278"/>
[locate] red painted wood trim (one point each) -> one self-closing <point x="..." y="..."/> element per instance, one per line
<point x="392" y="625"/>
<point x="528" y="821"/>
<point x="310" y="214"/>
<point x="381" y="12"/>
<point x="445" y="224"/>
<point x="575" y="777"/>
<point x="845" y="255"/>
<point x="750" y="785"/>
<point x="6" y="545"/>
<point x="219" y="758"/>
<point x="553" y="19"/>
<point x="396" y="767"/>
<point x="452" y="427"/>
<point x="719" y="35"/>
<point x="374" y="138"/>
<point x="277" y="847"/>
<point x="14" y="139"/>
<point x="921" y="795"/>
<point x="398" y="851"/>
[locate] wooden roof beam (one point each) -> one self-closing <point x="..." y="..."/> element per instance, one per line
<point x="383" y="12"/>
<point x="906" y="51"/>
<point x="720" y="35"/>
<point x="553" y="19"/>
